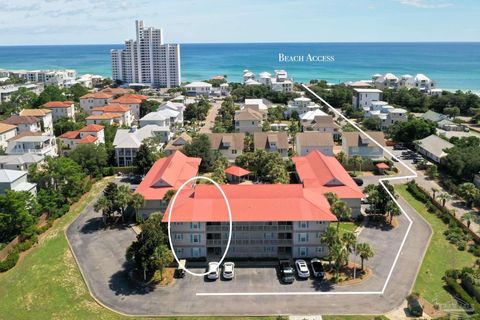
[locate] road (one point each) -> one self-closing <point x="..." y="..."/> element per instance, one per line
<point x="101" y="256"/>
<point x="210" y="119"/>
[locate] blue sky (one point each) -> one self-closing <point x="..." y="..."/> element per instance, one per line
<point x="24" y="22"/>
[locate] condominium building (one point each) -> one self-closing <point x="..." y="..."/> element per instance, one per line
<point x="8" y="90"/>
<point x="62" y="78"/>
<point x="268" y="220"/>
<point x="147" y="60"/>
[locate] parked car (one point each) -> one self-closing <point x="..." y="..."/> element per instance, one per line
<point x="286" y="272"/>
<point x="317" y="268"/>
<point x="213" y="270"/>
<point x="228" y="270"/>
<point x="399" y="146"/>
<point x="302" y="269"/>
<point x="180" y="271"/>
<point x="358" y="181"/>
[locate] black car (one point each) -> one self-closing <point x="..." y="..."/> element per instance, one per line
<point x="287" y="274"/>
<point x="317" y="268"/>
<point x="358" y="181"/>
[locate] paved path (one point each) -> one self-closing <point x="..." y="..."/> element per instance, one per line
<point x="101" y="256"/>
<point x="210" y="119"/>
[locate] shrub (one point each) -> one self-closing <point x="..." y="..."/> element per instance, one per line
<point x="461" y="293"/>
<point x="9" y="262"/>
<point x="25" y="245"/>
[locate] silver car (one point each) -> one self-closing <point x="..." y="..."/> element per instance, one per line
<point x="213" y="270"/>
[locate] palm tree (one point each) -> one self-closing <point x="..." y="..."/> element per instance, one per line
<point x="331" y="197"/>
<point x="356" y="160"/>
<point x="444" y="197"/>
<point x="341" y="157"/>
<point x="137" y="201"/>
<point x="341" y="210"/>
<point x="392" y="210"/>
<point x="123" y="199"/>
<point x="434" y="192"/>
<point x="103" y="205"/>
<point x="468" y="191"/>
<point x="365" y="252"/>
<point x="349" y="239"/>
<point x="468" y="218"/>
<point x="329" y="237"/>
<point x="339" y="255"/>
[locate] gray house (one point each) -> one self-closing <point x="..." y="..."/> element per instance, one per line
<point x="15" y="180"/>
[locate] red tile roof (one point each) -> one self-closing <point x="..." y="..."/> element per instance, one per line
<point x="97" y="95"/>
<point x="382" y="166"/>
<point x="87" y="139"/>
<point x="109" y="108"/>
<point x="325" y="174"/>
<point x="236" y="171"/>
<point x="70" y="135"/>
<point x="168" y="174"/>
<point x="58" y="104"/>
<point x="92" y="128"/>
<point x="258" y="202"/>
<point x="15" y="120"/>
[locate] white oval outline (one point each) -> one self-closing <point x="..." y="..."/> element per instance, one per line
<point x="229" y="217"/>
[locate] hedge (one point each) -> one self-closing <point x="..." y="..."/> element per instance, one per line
<point x="10" y="261"/>
<point x="462" y="294"/>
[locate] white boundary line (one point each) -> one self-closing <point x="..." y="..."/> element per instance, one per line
<point x="381" y="181"/>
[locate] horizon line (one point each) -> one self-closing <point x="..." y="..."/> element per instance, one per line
<point x="267" y="42"/>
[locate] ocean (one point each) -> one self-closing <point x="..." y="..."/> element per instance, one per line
<point x="453" y="65"/>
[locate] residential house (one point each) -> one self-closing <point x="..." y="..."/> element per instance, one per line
<point x="44" y="116"/>
<point x="177" y="144"/>
<point x="15" y="180"/>
<point x="256" y="104"/>
<point x="24" y="123"/>
<point x="306" y="142"/>
<point x="116" y="109"/>
<point x="387" y="81"/>
<point x="32" y="142"/>
<point x="388" y="115"/>
<point x="358" y="144"/>
<point x="92" y="133"/>
<point x="174" y="106"/>
<point x="133" y="102"/>
<point x="308" y="117"/>
<point x="248" y="120"/>
<point x="448" y="125"/>
<point x="434" y="116"/>
<point x="302" y="105"/>
<point x="160" y="118"/>
<point x="198" y="88"/>
<point x="230" y="145"/>
<point x="7" y="131"/>
<point x="61" y="109"/>
<point x="323" y="124"/>
<point x="420" y="82"/>
<point x="113" y="119"/>
<point x="7" y="91"/>
<point x="271" y="142"/>
<point x="20" y="162"/>
<point x="128" y="141"/>
<point x="94" y="100"/>
<point x="433" y="147"/>
<point x="364" y="97"/>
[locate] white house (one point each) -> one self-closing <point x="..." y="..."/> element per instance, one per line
<point x="160" y="118"/>
<point x="128" y="141"/>
<point x="174" y="106"/>
<point x="132" y="101"/>
<point x="302" y="105"/>
<point x="15" y="180"/>
<point x="44" y="116"/>
<point x="323" y="124"/>
<point x="433" y="147"/>
<point x="386" y="81"/>
<point x="90" y="134"/>
<point x="94" y="100"/>
<point x="309" y="116"/>
<point x="20" y="162"/>
<point x="32" y="142"/>
<point x="115" y="109"/>
<point x="198" y="88"/>
<point x="61" y="109"/>
<point x="24" y="123"/>
<point x="364" y="97"/>
<point x="258" y="104"/>
<point x="387" y="114"/>
<point x="420" y="82"/>
<point x="7" y="131"/>
<point x="307" y="142"/>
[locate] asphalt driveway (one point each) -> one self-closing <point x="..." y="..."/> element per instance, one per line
<point x="255" y="291"/>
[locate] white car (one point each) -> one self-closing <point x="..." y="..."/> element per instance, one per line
<point x="228" y="270"/>
<point x="213" y="270"/>
<point x="302" y="269"/>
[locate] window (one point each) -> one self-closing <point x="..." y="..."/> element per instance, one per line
<point x="319" y="249"/>
<point x="234" y="151"/>
<point x="302" y="251"/>
<point x="303" y="224"/>
<point x="194" y="225"/>
<point x="195" y="238"/>
<point x="303" y="237"/>
<point x="178" y="236"/>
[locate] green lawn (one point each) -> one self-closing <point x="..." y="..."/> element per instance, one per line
<point x="346" y="227"/>
<point x="440" y="255"/>
<point x="47" y="284"/>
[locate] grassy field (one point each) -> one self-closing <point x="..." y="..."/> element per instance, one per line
<point x="346" y="227"/>
<point x="440" y="255"/>
<point x="47" y="284"/>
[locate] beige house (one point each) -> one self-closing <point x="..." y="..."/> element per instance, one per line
<point x="116" y="109"/>
<point x="306" y="142"/>
<point x="105" y="118"/>
<point x="358" y="144"/>
<point x="248" y="120"/>
<point x="323" y="124"/>
<point x="61" y="109"/>
<point x="44" y="116"/>
<point x="230" y="145"/>
<point x="271" y="142"/>
<point x="94" y="100"/>
<point x="178" y="143"/>
<point x="7" y="131"/>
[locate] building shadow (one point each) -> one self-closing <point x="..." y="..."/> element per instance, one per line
<point x="96" y="224"/>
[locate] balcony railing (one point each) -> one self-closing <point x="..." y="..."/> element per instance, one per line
<point x="250" y="228"/>
<point x="250" y="242"/>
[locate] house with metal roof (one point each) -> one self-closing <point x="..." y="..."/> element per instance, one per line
<point x="309" y="141"/>
<point x="433" y="147"/>
<point x="15" y="180"/>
